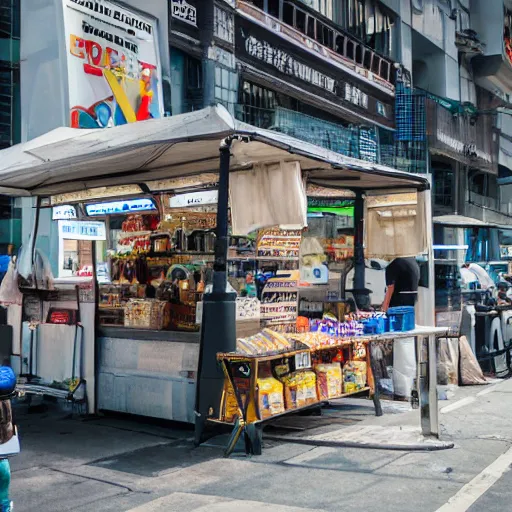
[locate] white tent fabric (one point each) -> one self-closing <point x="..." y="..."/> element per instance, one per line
<point x="69" y="160"/>
<point x="466" y="222"/>
<point x="396" y="230"/>
<point x="269" y="195"/>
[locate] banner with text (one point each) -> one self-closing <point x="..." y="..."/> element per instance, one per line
<point x="114" y="72"/>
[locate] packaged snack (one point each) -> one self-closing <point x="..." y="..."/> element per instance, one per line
<point x="349" y="387"/>
<point x="328" y="380"/>
<point x="270" y="397"/>
<point x="291" y="391"/>
<point x="354" y="376"/>
<point x="230" y="404"/>
<point x="309" y="386"/>
<point x="359" y="351"/>
<point x="299" y="389"/>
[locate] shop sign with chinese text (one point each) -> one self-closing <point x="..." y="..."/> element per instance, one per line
<point x="183" y="11"/>
<point x="82" y="230"/>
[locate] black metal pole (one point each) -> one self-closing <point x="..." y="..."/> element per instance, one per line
<point x="221" y="243"/>
<point x="34" y="239"/>
<point x="218" y="331"/>
<point x="359" y="266"/>
<point x="96" y="290"/>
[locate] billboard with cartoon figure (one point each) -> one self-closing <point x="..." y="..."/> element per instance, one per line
<point x="114" y="72"/>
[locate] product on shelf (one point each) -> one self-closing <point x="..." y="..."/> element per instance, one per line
<point x="231" y="411"/>
<point x="299" y="389"/>
<point x="277" y="243"/>
<point x="354" y="376"/>
<point x="328" y="380"/>
<point x="147" y="314"/>
<point x="316" y="340"/>
<point x="330" y="325"/>
<point x="359" y="352"/>
<point x="133" y="224"/>
<point x="267" y="341"/>
<point x="270" y="397"/>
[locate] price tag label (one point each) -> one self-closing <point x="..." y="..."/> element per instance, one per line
<point x="302" y="360"/>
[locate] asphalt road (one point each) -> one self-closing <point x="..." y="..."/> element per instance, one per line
<point x="112" y="465"/>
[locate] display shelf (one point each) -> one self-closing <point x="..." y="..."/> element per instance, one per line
<point x="170" y="254"/>
<point x="234" y="356"/>
<point x="126" y="234"/>
<point x="277" y="258"/>
<point x="313" y="405"/>
<point x="318" y="403"/>
<point x="263" y="258"/>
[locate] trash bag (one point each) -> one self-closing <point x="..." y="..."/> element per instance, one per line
<point x="448" y="361"/>
<point x="404" y="367"/>
<point x="9" y="290"/>
<point x="382" y="371"/>
<point x="470" y="371"/>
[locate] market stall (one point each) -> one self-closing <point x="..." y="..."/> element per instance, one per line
<point x="147" y="347"/>
<point x="298" y="372"/>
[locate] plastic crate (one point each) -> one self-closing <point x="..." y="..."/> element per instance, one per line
<point x="375" y="325"/>
<point x="401" y="319"/>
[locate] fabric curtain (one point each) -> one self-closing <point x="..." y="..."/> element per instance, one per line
<point x="268" y="195"/>
<point x="394" y="230"/>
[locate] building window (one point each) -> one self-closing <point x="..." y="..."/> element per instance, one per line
<point x="270" y="109"/>
<point x="273" y="8"/>
<point x="186" y="82"/>
<point x="260" y="4"/>
<point x="443" y="187"/>
<point x="370" y="22"/>
<point x="300" y="20"/>
<point x="226" y="87"/>
<point x="224" y="25"/>
<point x="322" y="6"/>
<point x="10" y="20"/>
<point x="463" y="21"/>
<point x="194" y="74"/>
<point x="10" y="106"/>
<point x="364" y="18"/>
<point x="289" y="14"/>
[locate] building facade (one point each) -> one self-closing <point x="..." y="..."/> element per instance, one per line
<point x="421" y="85"/>
<point x="460" y="65"/>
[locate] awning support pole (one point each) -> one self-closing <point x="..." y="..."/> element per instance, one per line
<point x="218" y="330"/>
<point x="359" y="265"/>
<point x="34" y="238"/>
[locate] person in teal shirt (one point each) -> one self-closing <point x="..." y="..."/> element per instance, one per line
<point x="5" y="483"/>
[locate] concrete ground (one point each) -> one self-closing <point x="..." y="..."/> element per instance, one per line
<point x="114" y="464"/>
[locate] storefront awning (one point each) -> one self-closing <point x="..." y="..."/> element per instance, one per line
<point x="460" y="221"/>
<point x="71" y="160"/>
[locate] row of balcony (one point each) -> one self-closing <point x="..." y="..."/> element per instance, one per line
<point x="371" y="144"/>
<point x="324" y="37"/>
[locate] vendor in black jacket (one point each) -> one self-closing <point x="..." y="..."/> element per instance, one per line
<point x="402" y="278"/>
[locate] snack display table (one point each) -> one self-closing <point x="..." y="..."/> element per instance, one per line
<point x="242" y="371"/>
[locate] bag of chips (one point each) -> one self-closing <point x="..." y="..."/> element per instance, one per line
<point x="328" y="380"/>
<point x="270" y="397"/>
<point x="354" y="376"/>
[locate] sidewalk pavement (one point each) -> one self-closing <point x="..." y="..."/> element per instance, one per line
<point x="111" y="464"/>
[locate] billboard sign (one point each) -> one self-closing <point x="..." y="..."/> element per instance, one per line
<point x="121" y="207"/>
<point x="114" y="72"/>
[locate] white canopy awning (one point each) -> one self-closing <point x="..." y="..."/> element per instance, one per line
<point x="71" y="160"/>
<point x="460" y="221"/>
